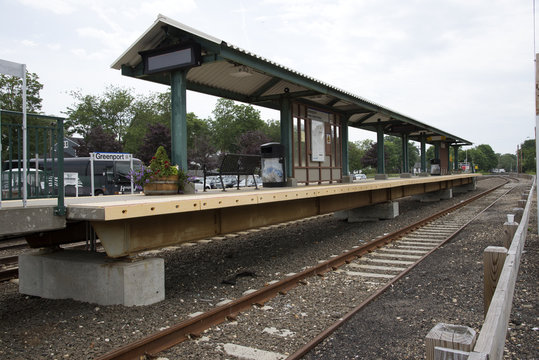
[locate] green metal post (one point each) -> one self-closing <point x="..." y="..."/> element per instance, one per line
<point x="60" y="209"/>
<point x="178" y="126"/>
<point x="455" y="157"/>
<point x="448" y="158"/>
<point x="286" y="133"/>
<point x="405" y="165"/>
<point x="423" y="155"/>
<point x="381" y="166"/>
<point x="344" y="145"/>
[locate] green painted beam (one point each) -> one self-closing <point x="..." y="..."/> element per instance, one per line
<point x="344" y="146"/>
<point x="178" y="126"/>
<point x="381" y="166"/>
<point x="423" y="154"/>
<point x="286" y="133"/>
<point x="292" y="95"/>
<point x="268" y="85"/>
<point x="405" y="165"/>
<point x="217" y="92"/>
<point x="363" y="119"/>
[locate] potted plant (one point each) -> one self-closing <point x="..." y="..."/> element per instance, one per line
<point x="161" y="177"/>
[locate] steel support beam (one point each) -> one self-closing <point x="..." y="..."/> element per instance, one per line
<point x="423" y="154"/>
<point x="405" y="165"/>
<point x="381" y="166"/>
<point x="286" y="133"/>
<point x="178" y="125"/>
<point x="344" y="144"/>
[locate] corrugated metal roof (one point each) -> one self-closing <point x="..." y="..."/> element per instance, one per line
<point x="262" y="81"/>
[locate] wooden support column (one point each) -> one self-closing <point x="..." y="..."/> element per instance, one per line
<point x="178" y="125"/>
<point x="509" y="229"/>
<point x="446" y="341"/>
<point x="493" y="260"/>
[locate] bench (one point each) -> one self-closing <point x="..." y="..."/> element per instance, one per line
<point x="235" y="164"/>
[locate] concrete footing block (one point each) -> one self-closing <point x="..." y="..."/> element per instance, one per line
<point x="434" y="196"/>
<point x="347" y="179"/>
<point x="405" y="175"/>
<point x="92" y="277"/>
<point x="291" y="182"/>
<point x="385" y="211"/>
<point x="464" y="188"/>
<point x="381" y="177"/>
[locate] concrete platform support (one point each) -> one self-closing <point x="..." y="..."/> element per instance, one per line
<point x="381" y="177"/>
<point x="465" y="188"/>
<point x="405" y="175"/>
<point x="435" y="196"/>
<point x="92" y="277"/>
<point x="384" y="211"/>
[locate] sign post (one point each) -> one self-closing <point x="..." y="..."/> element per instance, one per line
<point x="18" y="70"/>
<point x="72" y="178"/>
<point x="107" y="156"/>
<point x="536" y="122"/>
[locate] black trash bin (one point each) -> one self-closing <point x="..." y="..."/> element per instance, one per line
<point x="273" y="165"/>
<point x="435" y="167"/>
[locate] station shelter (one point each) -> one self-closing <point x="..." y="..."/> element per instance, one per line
<point x="314" y="116"/>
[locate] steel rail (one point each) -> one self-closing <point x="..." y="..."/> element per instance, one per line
<point x="342" y="320"/>
<point x="165" y="339"/>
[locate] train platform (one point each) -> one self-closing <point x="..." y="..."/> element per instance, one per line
<point x="129" y="224"/>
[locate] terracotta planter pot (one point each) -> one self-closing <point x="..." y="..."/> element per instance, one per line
<point x="167" y="185"/>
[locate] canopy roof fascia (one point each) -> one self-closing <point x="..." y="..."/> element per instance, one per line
<point x="266" y="83"/>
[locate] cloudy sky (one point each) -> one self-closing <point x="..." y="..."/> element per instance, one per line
<point x="463" y="66"/>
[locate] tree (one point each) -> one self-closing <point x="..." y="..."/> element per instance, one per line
<point x="393" y="154"/>
<point x="231" y="120"/>
<point x="508" y="162"/>
<point x="156" y="135"/>
<point x="11" y="93"/>
<point x="249" y="142"/>
<point x="272" y="129"/>
<point x="147" y="110"/>
<point x="528" y="155"/>
<point x="97" y="140"/>
<point x="356" y="152"/>
<point x="111" y="111"/>
<point x="490" y="158"/>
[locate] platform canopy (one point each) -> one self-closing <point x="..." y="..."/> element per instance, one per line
<point x="233" y="73"/>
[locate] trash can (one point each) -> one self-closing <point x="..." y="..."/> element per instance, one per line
<point x="273" y="166"/>
<point x="435" y="167"/>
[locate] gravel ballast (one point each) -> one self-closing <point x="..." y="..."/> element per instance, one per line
<point x="201" y="275"/>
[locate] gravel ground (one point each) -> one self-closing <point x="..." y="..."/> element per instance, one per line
<point x="446" y="287"/>
<point x="200" y="275"/>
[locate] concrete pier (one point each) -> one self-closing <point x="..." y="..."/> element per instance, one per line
<point x="92" y="277"/>
<point x="384" y="211"/>
<point x="435" y="196"/>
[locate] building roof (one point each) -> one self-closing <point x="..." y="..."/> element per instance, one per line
<point x="231" y="72"/>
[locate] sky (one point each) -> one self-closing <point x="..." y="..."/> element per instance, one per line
<point x="463" y="66"/>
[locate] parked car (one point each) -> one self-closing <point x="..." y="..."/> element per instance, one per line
<point x="199" y="184"/>
<point x="360" y="177"/>
<point x="250" y="182"/>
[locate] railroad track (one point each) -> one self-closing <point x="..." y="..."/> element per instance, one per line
<point x="378" y="263"/>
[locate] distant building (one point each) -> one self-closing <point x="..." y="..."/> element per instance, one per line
<point x="70" y="144"/>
